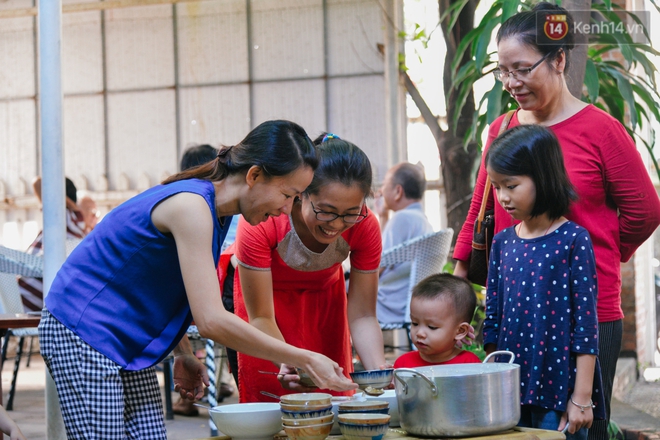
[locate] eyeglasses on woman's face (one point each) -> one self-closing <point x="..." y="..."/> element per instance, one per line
<point x="520" y="74"/>
<point x="325" y="216"/>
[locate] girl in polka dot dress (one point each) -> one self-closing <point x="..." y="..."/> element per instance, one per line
<point x="541" y="299"/>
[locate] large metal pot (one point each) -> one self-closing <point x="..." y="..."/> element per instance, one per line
<point x="459" y="400"/>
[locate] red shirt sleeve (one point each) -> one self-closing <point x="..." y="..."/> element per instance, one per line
<point x="254" y="244"/>
<point x="629" y="187"/>
<point x="366" y="244"/>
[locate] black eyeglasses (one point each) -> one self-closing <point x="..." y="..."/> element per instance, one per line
<point x="502" y="75"/>
<point x="325" y="216"/>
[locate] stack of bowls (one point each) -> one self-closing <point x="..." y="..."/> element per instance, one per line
<point x="307" y="416"/>
<point x="360" y="426"/>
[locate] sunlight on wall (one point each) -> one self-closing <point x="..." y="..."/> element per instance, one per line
<point x="30" y="231"/>
<point x="10" y="235"/>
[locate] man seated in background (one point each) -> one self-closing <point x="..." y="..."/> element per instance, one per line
<point x="32" y="289"/>
<point x="401" y="192"/>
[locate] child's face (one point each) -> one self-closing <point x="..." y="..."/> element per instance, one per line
<point x="516" y="194"/>
<point x="434" y="328"/>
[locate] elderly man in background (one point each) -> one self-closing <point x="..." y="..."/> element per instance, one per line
<point x="401" y="192"/>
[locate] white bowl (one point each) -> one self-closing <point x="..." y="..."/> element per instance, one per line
<point x="255" y="421"/>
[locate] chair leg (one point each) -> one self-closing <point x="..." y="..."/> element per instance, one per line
<point x="12" y="390"/>
<point x="29" y="353"/>
<point x="4" y="348"/>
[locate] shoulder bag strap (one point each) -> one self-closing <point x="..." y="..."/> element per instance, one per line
<point x="484" y="199"/>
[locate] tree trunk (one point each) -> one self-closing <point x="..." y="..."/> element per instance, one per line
<point x="579" y="10"/>
<point x="456" y="159"/>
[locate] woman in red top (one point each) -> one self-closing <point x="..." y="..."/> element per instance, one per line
<point x="617" y="203"/>
<point x="290" y="281"/>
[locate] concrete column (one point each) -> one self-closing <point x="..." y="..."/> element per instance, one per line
<point x="52" y="184"/>
<point x="395" y="114"/>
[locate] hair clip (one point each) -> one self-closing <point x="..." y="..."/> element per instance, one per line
<point x="330" y="136"/>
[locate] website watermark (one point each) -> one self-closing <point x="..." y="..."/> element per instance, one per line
<point x="593" y="27"/>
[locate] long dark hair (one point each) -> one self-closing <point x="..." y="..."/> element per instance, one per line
<point x="340" y="161"/>
<point x="523" y="26"/>
<point x="534" y="151"/>
<point x="278" y="147"/>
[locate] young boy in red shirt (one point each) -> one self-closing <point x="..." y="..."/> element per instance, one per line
<point x="441" y="309"/>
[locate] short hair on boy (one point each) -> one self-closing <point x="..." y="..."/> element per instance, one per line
<point x="411" y="178"/>
<point x="446" y="286"/>
<point x="534" y="151"/>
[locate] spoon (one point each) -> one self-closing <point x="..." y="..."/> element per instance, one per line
<point x="373" y="391"/>
<point x="274" y="396"/>
<point x="201" y="406"/>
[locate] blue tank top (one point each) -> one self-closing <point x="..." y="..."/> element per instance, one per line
<point x="121" y="289"/>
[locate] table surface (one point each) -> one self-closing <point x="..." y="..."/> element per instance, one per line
<point x="398" y="434"/>
<point x="18" y="320"/>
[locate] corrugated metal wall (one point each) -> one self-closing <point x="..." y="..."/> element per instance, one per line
<point x="142" y="83"/>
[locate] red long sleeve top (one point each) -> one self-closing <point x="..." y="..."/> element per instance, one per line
<point x="617" y="203"/>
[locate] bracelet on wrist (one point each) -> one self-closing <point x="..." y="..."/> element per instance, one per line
<point x="589" y="405"/>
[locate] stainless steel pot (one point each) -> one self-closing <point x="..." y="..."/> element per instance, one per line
<point x="459" y="400"/>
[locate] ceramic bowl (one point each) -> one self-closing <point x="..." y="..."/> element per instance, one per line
<point x="305" y="379"/>
<point x="290" y="407"/>
<point x="258" y="420"/>
<point x="306" y="414"/>
<point x="373" y="378"/>
<point x="309" y="432"/>
<point x="306" y="399"/>
<point x="363" y="432"/>
<point x="310" y="421"/>
<point x="363" y="405"/>
<point x="364" y="419"/>
<point x="365" y="411"/>
<point x="390" y="397"/>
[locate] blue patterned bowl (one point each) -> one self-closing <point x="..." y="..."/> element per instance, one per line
<point x="373" y="378"/>
<point x="363" y="432"/>
<point x="307" y="414"/>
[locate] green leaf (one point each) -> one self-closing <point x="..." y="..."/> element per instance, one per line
<point x="509" y="8"/>
<point x="453" y="12"/>
<point x="494" y="107"/>
<point x="480" y="54"/>
<point x="465" y="71"/>
<point x="462" y="46"/>
<point x="627" y="94"/>
<point x="591" y="81"/>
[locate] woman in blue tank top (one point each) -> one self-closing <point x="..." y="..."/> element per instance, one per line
<point x="124" y="298"/>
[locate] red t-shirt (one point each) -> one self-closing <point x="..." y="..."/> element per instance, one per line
<point x="413" y="359"/>
<point x="617" y="203"/>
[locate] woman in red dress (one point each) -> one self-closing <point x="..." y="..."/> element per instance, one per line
<point x="290" y="281"/>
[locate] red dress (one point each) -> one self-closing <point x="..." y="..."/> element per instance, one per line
<point x="309" y="292"/>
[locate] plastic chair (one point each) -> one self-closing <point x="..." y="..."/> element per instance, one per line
<point x="428" y="254"/>
<point x="20" y="263"/>
<point x="11" y="302"/>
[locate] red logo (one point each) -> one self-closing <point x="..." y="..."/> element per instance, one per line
<point x="555" y="26"/>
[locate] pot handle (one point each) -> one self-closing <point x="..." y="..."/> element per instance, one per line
<point x="434" y="389"/>
<point x="499" y="352"/>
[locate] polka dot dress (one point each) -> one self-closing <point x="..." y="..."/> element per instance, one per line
<point x="541" y="305"/>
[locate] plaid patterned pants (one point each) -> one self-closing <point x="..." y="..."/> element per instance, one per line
<point x="99" y="399"/>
